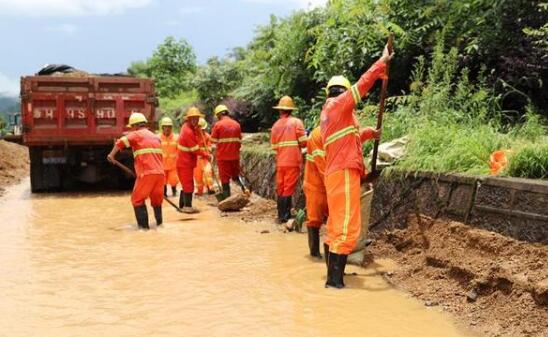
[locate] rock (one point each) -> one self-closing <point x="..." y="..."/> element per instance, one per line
<point x="472" y="296"/>
<point x="234" y="203"/>
<point x="431" y="303"/>
<point x="265" y="232"/>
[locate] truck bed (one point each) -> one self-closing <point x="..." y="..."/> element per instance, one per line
<point x="81" y="110"/>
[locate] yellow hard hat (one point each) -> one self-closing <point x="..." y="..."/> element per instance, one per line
<point x="220" y="108"/>
<point x="166" y="121"/>
<point x="285" y="103"/>
<point x="193" y="112"/>
<point x="202" y="123"/>
<point x="136" y="118"/>
<point x="340" y="81"/>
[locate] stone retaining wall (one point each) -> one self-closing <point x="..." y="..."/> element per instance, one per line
<point x="513" y="207"/>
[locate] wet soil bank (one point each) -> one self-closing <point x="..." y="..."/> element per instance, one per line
<point x="497" y="285"/>
<point x="14" y="164"/>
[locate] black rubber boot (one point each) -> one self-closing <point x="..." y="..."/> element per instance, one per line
<point x="335" y="271"/>
<point x="314" y="242"/>
<point x="174" y="190"/>
<point x="141" y="215"/>
<point x="281" y="204"/>
<point x="158" y="215"/>
<point x="165" y="190"/>
<point x="287" y="209"/>
<point x="189" y="199"/>
<point x="182" y="200"/>
<point x="226" y="190"/>
<point x="326" y="254"/>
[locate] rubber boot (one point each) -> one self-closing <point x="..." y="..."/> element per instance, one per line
<point x="158" y="215"/>
<point x="281" y="204"/>
<point x="287" y="209"/>
<point x="326" y="254"/>
<point x="165" y="190"/>
<point x="314" y="242"/>
<point x="187" y="208"/>
<point x="174" y="190"/>
<point x="182" y="200"/>
<point x="335" y="271"/>
<point x="141" y="215"/>
<point x="226" y="190"/>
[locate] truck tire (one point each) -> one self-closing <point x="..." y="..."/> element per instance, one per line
<point x="43" y="178"/>
<point x="36" y="168"/>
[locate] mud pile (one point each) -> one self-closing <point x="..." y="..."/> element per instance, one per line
<point x="14" y="164"/>
<point x="496" y="284"/>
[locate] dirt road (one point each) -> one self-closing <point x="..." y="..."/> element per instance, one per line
<point x="74" y="265"/>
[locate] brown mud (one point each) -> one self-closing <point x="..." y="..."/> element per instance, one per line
<point x="495" y="284"/>
<point x="14" y="164"/>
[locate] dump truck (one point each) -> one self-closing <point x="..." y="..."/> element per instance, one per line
<point x="70" y="124"/>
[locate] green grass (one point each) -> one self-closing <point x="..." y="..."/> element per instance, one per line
<point x="529" y="161"/>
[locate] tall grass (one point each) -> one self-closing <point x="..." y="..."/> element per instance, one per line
<point x="454" y="125"/>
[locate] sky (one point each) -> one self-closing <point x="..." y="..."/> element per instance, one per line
<point x="105" y="36"/>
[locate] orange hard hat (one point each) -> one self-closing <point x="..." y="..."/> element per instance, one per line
<point x="285" y="103"/>
<point x="193" y="112"/>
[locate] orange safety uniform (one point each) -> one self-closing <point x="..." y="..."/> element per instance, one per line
<point x="287" y="138"/>
<point x="202" y="171"/>
<point x="149" y="169"/>
<point x="169" y="152"/>
<point x="344" y="162"/>
<point x="188" y="150"/>
<point x="313" y="183"/>
<point x="227" y="134"/>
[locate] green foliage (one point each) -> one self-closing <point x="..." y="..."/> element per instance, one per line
<point x="530" y="161"/>
<point x="452" y="124"/>
<point x="297" y="55"/>
<point x="214" y="81"/>
<point x="171" y="65"/>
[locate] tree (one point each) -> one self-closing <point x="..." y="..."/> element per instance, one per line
<point x="171" y="65"/>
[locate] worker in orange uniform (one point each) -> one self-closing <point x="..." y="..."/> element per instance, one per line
<point x="287" y="138"/>
<point x="149" y="169"/>
<point x="344" y="164"/>
<point x="314" y="190"/>
<point x="227" y="135"/>
<point x="169" y="150"/>
<point x="188" y="150"/>
<point x="202" y="173"/>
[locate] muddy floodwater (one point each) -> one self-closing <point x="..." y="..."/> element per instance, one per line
<point x="73" y="265"/>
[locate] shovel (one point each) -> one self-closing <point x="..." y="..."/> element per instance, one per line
<point x="131" y="173"/>
<point x="374" y="174"/>
<point x="219" y="195"/>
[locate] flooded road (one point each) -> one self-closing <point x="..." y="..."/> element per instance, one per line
<point x="73" y="265"/>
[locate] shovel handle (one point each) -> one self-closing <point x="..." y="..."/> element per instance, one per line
<point x="124" y="168"/>
<point x="381" y="107"/>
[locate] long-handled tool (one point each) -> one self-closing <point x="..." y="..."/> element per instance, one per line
<point x="220" y="193"/>
<point x="131" y="173"/>
<point x="374" y="174"/>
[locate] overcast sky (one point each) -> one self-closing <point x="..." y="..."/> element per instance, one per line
<point x="106" y="35"/>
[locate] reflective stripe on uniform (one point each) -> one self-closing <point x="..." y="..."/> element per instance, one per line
<point x="213" y="140"/>
<point x="356" y="94"/>
<point x="188" y="149"/>
<point x="286" y="144"/>
<point x="318" y="153"/>
<point x="309" y="157"/>
<point x="125" y="141"/>
<point x="169" y="143"/>
<point x="146" y="150"/>
<point x="229" y="140"/>
<point x="341" y="133"/>
<point x="346" y="209"/>
<point x="302" y="139"/>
